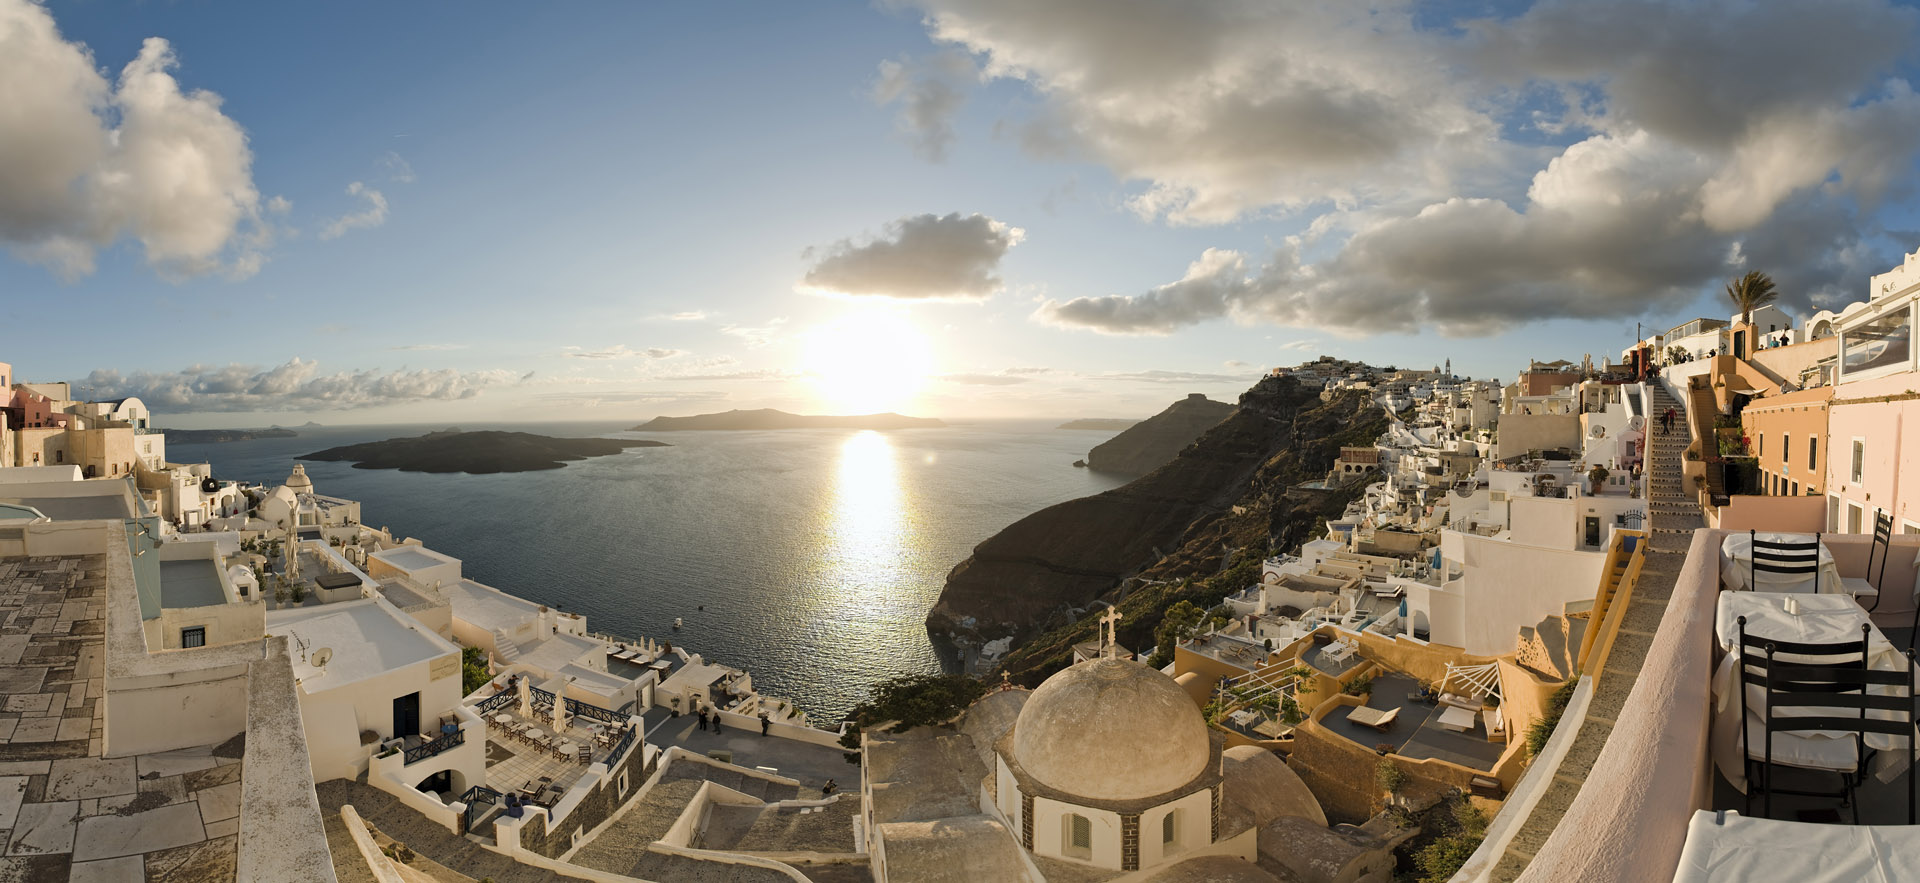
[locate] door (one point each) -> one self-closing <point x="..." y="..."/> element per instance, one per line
<point x="1593" y="530"/>
<point x="406" y="715"/>
<point x="1740" y="344"/>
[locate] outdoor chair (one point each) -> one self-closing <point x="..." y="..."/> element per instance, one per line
<point x="586" y="754"/>
<point x="1828" y="688"/>
<point x="1374" y="717"/>
<point x="1794" y="559"/>
<point x="1860" y="586"/>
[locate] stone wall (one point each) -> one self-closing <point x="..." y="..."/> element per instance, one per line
<point x="597" y="806"/>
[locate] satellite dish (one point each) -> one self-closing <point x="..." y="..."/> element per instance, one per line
<point x="321" y="657"/>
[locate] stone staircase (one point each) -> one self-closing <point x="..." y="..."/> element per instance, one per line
<point x="1673" y="507"/>
<point x="504" y="648"/>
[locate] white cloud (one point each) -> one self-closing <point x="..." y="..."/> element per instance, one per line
<point x="373" y="215"/>
<point x="983" y="379"/>
<point x="294" y="386"/>
<point x="622" y="351"/>
<point x="929" y="91"/>
<point x="1675" y="135"/>
<point x="84" y="162"/>
<point x="923" y="257"/>
<point x="430" y="346"/>
<point x="688" y="316"/>
<point x="398" y="169"/>
<point x="755" y="336"/>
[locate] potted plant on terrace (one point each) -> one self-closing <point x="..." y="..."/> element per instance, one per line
<point x="1598" y="477"/>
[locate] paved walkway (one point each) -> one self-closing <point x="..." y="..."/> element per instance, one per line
<point x="65" y="811"/>
<point x="812" y="765"/>
<point x="423" y="835"/>
<point x="1675" y="516"/>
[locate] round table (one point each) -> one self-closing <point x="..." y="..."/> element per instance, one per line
<point x="1736" y="565"/>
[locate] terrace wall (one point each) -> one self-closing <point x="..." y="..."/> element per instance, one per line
<point x="599" y="803"/>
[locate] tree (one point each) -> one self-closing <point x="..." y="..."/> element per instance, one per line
<point x="1751" y="292"/>
<point x="474" y="672"/>
<point x="909" y="701"/>
<point x="1176" y="625"/>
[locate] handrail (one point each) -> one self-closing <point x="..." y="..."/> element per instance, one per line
<point x="425" y="750"/>
<point x="620" y="748"/>
<point x="595" y="712"/>
<point x="497" y="700"/>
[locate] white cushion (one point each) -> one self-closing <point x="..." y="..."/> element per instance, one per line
<point x="1810" y="752"/>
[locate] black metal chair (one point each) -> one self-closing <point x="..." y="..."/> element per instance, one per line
<point x="1828" y="688"/>
<point x="1870" y="584"/>
<point x="1772" y="556"/>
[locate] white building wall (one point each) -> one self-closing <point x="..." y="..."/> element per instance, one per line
<point x="1049" y="830"/>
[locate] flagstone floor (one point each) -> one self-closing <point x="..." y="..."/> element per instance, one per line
<point x="66" y="813"/>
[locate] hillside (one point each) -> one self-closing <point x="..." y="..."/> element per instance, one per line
<point x="1149" y="444"/>
<point x="478" y="453"/>
<point x="768" y="418"/>
<point x="1225" y="500"/>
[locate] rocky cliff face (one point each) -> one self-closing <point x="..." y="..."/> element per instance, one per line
<point x="1228" y="490"/>
<point x="1149" y="444"/>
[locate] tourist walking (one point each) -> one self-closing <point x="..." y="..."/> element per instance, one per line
<point x="828" y="789"/>
<point x="765" y="723"/>
<point x="703" y="719"/>
<point x="1666" y="422"/>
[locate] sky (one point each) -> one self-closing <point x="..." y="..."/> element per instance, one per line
<point x="251" y="213"/>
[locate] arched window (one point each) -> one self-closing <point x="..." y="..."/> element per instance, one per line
<point x="1076" y="840"/>
<point x="1170" y="828"/>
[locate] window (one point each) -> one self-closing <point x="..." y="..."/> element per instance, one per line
<point x="1078" y="836"/>
<point x="1760" y="445"/>
<point x="1170" y="827"/>
<point x="193" y="637"/>
<point x="1786" y="448"/>
<point x="1813" y="452"/>
<point x="1853" y="517"/>
<point x="1793" y="490"/>
<point x="1859" y="458"/>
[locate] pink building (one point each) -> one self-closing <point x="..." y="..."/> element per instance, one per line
<point x="1877" y="395"/>
<point x="35" y="411"/>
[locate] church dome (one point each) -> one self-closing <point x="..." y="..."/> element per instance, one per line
<point x="1111" y="729"/>
<point x="298" y="482"/>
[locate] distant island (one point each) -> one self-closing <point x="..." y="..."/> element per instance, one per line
<point x="1105" y="424"/>
<point x="476" y="453"/>
<point x="768" y="418"/>
<point x="211" y="436"/>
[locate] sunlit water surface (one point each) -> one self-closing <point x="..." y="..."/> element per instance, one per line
<point x="808" y="557"/>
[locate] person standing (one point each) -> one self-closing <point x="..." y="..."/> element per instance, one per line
<point x="703" y="719"/>
<point x="766" y="723"/>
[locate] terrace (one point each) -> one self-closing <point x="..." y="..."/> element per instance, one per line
<point x="1418" y="733"/>
<point x="528" y="753"/>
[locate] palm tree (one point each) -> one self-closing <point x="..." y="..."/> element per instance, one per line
<point x="1751" y="292"/>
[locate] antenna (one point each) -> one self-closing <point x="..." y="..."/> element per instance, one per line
<point x="321" y="657"/>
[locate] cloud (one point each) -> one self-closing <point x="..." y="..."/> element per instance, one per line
<point x="1001" y="379"/>
<point x="295" y="386"/>
<point x="374" y="215"/>
<point x="923" y="257"/>
<point x="84" y="161"/>
<point x="929" y="91"/>
<point x="756" y="374"/>
<point x="429" y="346"/>
<point x="1467" y="175"/>
<point x="621" y="351"/>
<point x="398" y="169"/>
<point x="1303" y="346"/>
<point x="688" y="316"/>
<point x="755" y="336"/>
<point x="1159" y="376"/>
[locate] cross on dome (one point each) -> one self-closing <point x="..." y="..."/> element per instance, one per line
<point x="1109" y="631"/>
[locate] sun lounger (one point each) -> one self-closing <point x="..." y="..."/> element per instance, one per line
<point x="1374" y="717"/>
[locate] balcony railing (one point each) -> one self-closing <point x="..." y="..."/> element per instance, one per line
<point x="496" y="701"/>
<point x="425" y="750"/>
<point x="620" y="747"/>
<point x="595" y="712"/>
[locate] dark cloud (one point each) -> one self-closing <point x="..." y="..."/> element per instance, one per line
<point x="923" y="257"/>
<point x="929" y="91"/>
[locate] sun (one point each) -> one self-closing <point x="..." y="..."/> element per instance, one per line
<point x="867" y="362"/>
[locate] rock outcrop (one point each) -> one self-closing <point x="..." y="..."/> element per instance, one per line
<point x="1149" y="444"/>
<point x="1231" y="489"/>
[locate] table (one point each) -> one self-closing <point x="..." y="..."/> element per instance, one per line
<point x="1736" y="557"/>
<point x="1823" y="619"/>
<point x="1725" y="847"/>
<point x="567" y="750"/>
<point x="1457" y="719"/>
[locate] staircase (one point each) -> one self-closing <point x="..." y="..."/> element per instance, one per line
<point x="504" y="648"/>
<point x="1673" y="507"/>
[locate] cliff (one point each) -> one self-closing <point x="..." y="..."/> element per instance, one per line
<point x="214" y="436"/>
<point x="1149" y="444"/>
<point x="768" y="418"/>
<point x="478" y="453"/>
<point x="1226" y="499"/>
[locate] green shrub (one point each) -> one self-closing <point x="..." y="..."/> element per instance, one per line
<point x="474" y="673"/>
<point x="1542" y="729"/>
<point x="1390" y="776"/>
<point x="1359" y="686"/>
<point x="1440" y="860"/>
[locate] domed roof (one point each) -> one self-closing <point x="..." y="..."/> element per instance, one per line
<point x="1260" y="788"/>
<point x="1111" y="729"/>
<point x="298" y="482"/>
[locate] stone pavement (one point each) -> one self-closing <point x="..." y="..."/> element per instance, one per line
<point x="65" y="811"/>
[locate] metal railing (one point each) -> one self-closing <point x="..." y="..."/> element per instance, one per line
<point x="497" y="700"/>
<point x="425" y="750"/>
<point x="620" y="747"/>
<point x="595" y="712"/>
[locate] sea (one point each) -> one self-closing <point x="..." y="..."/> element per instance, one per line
<point x="807" y="557"/>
